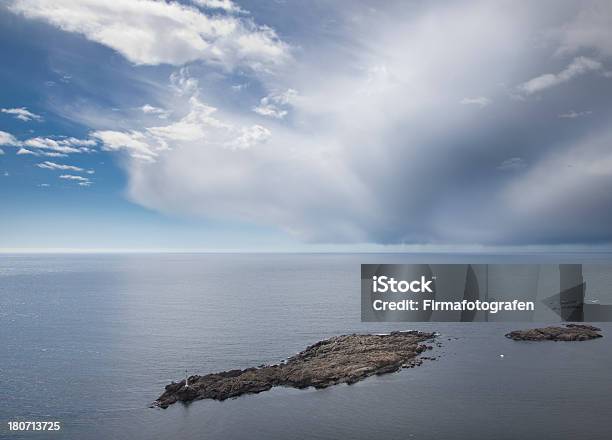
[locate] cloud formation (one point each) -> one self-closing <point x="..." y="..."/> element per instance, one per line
<point x="480" y="101"/>
<point x="157" y="32"/>
<point x="22" y="113"/>
<point x="200" y="124"/>
<point x="152" y="110"/>
<point x="80" y="180"/>
<point x="574" y="114"/>
<point x="579" y="66"/>
<point x="377" y="149"/>
<point x="275" y="105"/>
<point x="25" y="152"/>
<point x="8" y="139"/>
<point x="393" y="136"/>
<point x="512" y="164"/>
<point x="57" y="166"/>
<point x="58" y="146"/>
<point x="134" y="141"/>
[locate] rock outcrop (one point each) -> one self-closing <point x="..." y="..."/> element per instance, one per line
<point x="341" y="359"/>
<point x="571" y="332"/>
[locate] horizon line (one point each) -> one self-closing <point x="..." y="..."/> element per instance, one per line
<point x="554" y="249"/>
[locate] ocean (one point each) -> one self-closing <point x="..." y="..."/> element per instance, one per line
<point x="90" y="340"/>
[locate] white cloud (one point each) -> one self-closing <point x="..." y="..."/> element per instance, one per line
<point x="191" y="127"/>
<point x="25" y="151"/>
<point x="480" y="101"/>
<point x="22" y="113"/>
<point x="275" y="105"/>
<point x="60" y="145"/>
<point x="8" y="139"/>
<point x="574" y="114"/>
<point x="199" y="125"/>
<point x="152" y="110"/>
<point x="183" y="83"/>
<point x="579" y="66"/>
<point x="51" y="154"/>
<point x="1" y="151"/>
<point x="240" y="87"/>
<point x="250" y="137"/>
<point x="82" y="181"/>
<point x="73" y="177"/>
<point x="78" y="142"/>
<point x="512" y="164"/>
<point x="157" y="32"/>
<point x="48" y="146"/>
<point x="57" y="166"/>
<point x="134" y="142"/>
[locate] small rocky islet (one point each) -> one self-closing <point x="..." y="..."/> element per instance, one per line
<point x="340" y="359"/>
<point x="569" y="332"/>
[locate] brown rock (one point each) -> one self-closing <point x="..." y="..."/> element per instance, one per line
<point x="570" y="332"/>
<point x="341" y="359"/>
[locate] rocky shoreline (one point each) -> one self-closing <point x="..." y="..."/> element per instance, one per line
<point x="341" y="359"/>
<point x="570" y="332"/>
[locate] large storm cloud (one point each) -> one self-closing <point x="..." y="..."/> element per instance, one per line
<point x="462" y="122"/>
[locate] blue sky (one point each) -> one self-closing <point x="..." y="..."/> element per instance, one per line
<point x="286" y="125"/>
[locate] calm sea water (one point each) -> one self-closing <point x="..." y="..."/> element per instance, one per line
<point x="91" y="340"/>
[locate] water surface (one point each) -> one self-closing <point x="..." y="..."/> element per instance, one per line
<point x="90" y="340"/>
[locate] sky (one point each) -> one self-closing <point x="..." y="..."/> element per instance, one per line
<point x="291" y="125"/>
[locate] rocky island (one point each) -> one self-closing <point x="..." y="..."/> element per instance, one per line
<point x="570" y="332"/>
<point x="341" y="359"/>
